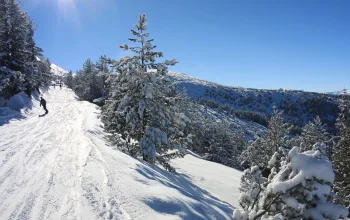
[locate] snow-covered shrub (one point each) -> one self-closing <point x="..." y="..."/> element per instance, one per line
<point x="298" y="191"/>
<point x="252" y="184"/>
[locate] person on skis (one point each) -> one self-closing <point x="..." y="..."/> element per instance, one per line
<point x="43" y="103"/>
<point x="61" y="85"/>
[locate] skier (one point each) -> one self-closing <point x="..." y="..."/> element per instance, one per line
<point x="43" y="103"/>
<point x="61" y="86"/>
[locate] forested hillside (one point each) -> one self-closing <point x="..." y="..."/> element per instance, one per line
<point x="299" y="107"/>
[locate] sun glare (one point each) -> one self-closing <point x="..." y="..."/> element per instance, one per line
<point x="68" y="10"/>
<point x="66" y="3"/>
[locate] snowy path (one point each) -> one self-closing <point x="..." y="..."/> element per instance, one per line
<point x="59" y="167"/>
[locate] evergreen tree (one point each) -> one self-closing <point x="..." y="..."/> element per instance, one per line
<point x="277" y="135"/>
<point x="341" y="156"/>
<point x="343" y="120"/>
<point x="70" y="80"/>
<point x="15" y="44"/>
<point x="85" y="82"/>
<point x="312" y="133"/>
<point x="19" y="56"/>
<point x="143" y="98"/>
<point x="254" y="154"/>
<point x="102" y="64"/>
<point x="221" y="144"/>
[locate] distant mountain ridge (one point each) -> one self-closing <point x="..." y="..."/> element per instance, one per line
<point x="257" y="105"/>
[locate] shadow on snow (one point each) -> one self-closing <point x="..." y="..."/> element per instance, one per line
<point x="199" y="203"/>
<point x="13" y="107"/>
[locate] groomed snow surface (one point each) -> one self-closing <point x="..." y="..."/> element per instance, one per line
<point x="58" y="166"/>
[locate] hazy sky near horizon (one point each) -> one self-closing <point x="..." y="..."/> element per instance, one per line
<point x="293" y="44"/>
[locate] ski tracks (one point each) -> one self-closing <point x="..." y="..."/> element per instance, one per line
<point x="52" y="168"/>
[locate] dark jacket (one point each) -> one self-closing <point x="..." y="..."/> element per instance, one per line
<point x="42" y="102"/>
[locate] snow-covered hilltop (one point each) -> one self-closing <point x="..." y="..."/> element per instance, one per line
<point x="341" y="92"/>
<point x="59" y="166"/>
<point x="257" y="104"/>
<point x="58" y="71"/>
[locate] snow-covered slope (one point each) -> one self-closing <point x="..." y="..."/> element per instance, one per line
<point x="58" y="166"/>
<point x="58" y="71"/>
<point x="341" y="92"/>
<point x="299" y="106"/>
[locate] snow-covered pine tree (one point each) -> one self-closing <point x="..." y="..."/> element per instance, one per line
<point x="343" y="120"/>
<point x="222" y="143"/>
<point x="15" y="46"/>
<point x="341" y="157"/>
<point x="86" y="83"/>
<point x="312" y="133"/>
<point x="44" y="68"/>
<point x="254" y="154"/>
<point x="18" y="51"/>
<point x="4" y="32"/>
<point x="104" y="73"/>
<point x="11" y="79"/>
<point x="11" y="82"/>
<point x="142" y="105"/>
<point x="102" y="64"/>
<point x="298" y="191"/>
<point x="277" y="134"/>
<point x="69" y="81"/>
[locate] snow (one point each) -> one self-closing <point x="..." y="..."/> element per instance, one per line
<point x="341" y="92"/>
<point x="308" y="167"/>
<point x="329" y="210"/>
<point x="19" y="101"/>
<point x="58" y="71"/>
<point x="11" y="109"/>
<point x="59" y="167"/>
<point x="296" y="104"/>
<point x="252" y="214"/>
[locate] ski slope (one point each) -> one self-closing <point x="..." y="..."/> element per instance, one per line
<point x="59" y="167"/>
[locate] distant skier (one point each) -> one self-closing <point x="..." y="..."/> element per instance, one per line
<point x="43" y="103"/>
<point x="54" y="86"/>
<point x="61" y="86"/>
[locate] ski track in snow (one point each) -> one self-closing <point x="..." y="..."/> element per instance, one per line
<point x="44" y="164"/>
<point x="59" y="167"/>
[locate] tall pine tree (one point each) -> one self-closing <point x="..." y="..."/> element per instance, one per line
<point x="277" y="135"/>
<point x="142" y="102"/>
<point x="312" y="133"/>
<point x="21" y="63"/>
<point x="341" y="157"/>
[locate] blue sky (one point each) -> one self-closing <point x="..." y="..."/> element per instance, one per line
<point x="294" y="44"/>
